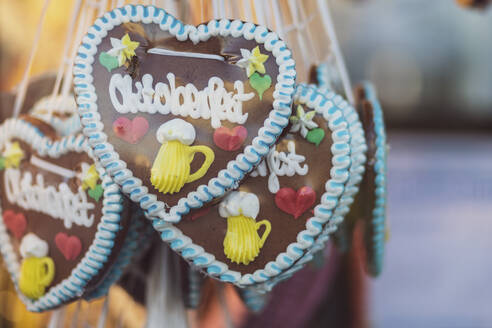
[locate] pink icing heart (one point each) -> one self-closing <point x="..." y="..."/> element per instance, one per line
<point x="295" y="202"/>
<point x="15" y="222"/>
<point x="70" y="246"/>
<point x="230" y="139"/>
<point x="131" y="131"/>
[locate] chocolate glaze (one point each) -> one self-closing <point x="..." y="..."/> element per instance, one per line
<point x="46" y="227"/>
<point x="209" y="230"/>
<point x="140" y="157"/>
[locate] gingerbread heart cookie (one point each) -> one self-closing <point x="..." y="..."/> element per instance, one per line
<point x="369" y="208"/>
<point x="267" y="229"/>
<point x="64" y="220"/>
<point x="188" y="83"/>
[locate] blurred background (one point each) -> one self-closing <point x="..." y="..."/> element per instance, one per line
<point x="431" y="62"/>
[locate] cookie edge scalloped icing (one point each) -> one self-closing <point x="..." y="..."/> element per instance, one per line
<point x="228" y="178"/>
<point x="73" y="286"/>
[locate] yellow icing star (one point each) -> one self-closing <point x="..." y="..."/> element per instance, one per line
<point x="13" y="155"/>
<point x="90" y="178"/>
<point x="253" y="61"/>
<point x="129" y="51"/>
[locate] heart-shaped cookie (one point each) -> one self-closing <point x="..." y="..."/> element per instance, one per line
<point x="370" y="204"/>
<point x="70" y="239"/>
<point x="186" y="82"/>
<point x="268" y="228"/>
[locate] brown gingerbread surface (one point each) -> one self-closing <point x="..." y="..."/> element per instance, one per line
<point x="140" y="156"/>
<point x="207" y="228"/>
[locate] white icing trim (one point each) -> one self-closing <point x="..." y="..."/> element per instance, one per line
<point x="53" y="168"/>
<point x="167" y="52"/>
<point x="61" y="203"/>
<point x="108" y="228"/>
<point x="214" y="102"/>
<point x="281" y="164"/>
<point x="236" y="169"/>
<point x="343" y="128"/>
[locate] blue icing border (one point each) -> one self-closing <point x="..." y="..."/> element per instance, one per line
<point x="346" y="132"/>
<point x="236" y="169"/>
<point x="343" y="202"/>
<point x="378" y="221"/>
<point x="135" y="243"/>
<point x="95" y="258"/>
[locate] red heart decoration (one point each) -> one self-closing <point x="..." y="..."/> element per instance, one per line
<point x="15" y="222"/>
<point x="295" y="203"/>
<point x="230" y="139"/>
<point x="131" y="131"/>
<point x="70" y="246"/>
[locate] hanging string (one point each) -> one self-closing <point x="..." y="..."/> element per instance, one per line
<point x="104" y="313"/>
<point x="329" y="28"/>
<point x="278" y="18"/>
<point x="310" y="38"/>
<point x="57" y="318"/>
<point x="86" y="19"/>
<point x="66" y="47"/>
<point x="252" y="11"/>
<point x="301" y="38"/>
<point x="21" y="92"/>
<point x="75" y="316"/>
<point x="260" y="13"/>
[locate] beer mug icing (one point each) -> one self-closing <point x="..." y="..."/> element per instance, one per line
<point x="63" y="221"/>
<point x="171" y="169"/>
<point x="37" y="270"/>
<point x="303" y="189"/>
<point x="242" y="242"/>
<point x="139" y="68"/>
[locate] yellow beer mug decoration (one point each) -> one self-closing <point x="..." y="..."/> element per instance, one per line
<point x="37" y="269"/>
<point x="242" y="242"/>
<point x="171" y="168"/>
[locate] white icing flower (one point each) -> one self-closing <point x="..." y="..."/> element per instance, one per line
<point x="303" y="121"/>
<point x="33" y="246"/>
<point x="240" y="203"/>
<point x="117" y="50"/>
<point x="176" y="129"/>
<point x="252" y="61"/>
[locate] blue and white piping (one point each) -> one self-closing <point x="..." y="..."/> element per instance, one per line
<point x="236" y="169"/>
<point x="107" y="230"/>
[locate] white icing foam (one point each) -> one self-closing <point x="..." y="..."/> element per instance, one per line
<point x="176" y="129"/>
<point x="33" y="246"/>
<point x="240" y="203"/>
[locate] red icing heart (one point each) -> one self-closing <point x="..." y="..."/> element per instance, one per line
<point x="230" y="139"/>
<point x="295" y="203"/>
<point x="15" y="222"/>
<point x="131" y="131"/>
<point x="70" y="246"/>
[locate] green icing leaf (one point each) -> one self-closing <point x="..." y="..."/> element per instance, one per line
<point x="2" y="163"/>
<point x="96" y="192"/>
<point x="108" y="61"/>
<point x="260" y="83"/>
<point x="315" y="136"/>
